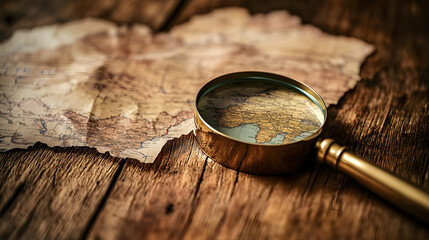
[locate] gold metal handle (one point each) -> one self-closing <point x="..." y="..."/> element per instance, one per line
<point x="399" y="192"/>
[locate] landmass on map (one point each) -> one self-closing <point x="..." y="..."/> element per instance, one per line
<point x="128" y="91"/>
<point x="260" y="113"/>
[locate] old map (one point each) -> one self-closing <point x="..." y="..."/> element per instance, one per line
<point x="127" y="91"/>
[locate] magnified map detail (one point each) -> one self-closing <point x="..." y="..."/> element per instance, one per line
<point x="263" y="112"/>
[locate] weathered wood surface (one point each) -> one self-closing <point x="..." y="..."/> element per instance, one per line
<point x="27" y="14"/>
<point x="78" y="193"/>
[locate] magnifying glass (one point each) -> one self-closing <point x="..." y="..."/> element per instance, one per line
<point x="267" y="124"/>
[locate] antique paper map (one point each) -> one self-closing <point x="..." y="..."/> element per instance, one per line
<point x="127" y="91"/>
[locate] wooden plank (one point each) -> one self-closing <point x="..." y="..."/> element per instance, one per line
<point x="154" y="200"/>
<point x="27" y="14"/>
<point x="192" y="7"/>
<point x="51" y="193"/>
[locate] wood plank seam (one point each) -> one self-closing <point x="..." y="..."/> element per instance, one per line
<point x="194" y="202"/>
<point x="103" y="200"/>
<point x="169" y="21"/>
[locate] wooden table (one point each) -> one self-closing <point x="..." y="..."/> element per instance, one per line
<point x="72" y="193"/>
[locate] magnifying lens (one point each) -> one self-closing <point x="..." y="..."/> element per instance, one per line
<point x="267" y="124"/>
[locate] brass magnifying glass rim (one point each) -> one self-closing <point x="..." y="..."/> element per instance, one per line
<point x="248" y="75"/>
<point x="262" y="159"/>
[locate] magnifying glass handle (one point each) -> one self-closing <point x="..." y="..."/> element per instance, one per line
<point x="399" y="192"/>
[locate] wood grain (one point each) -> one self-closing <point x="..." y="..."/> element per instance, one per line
<point x="186" y="195"/>
<point x="52" y="193"/>
<point x="18" y="14"/>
